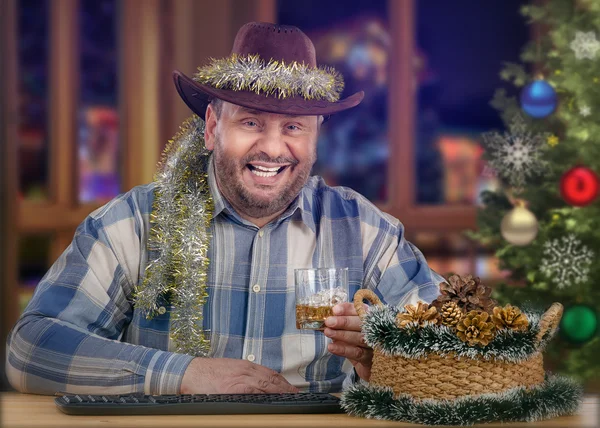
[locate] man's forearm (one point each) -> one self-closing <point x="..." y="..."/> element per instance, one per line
<point x="46" y="355"/>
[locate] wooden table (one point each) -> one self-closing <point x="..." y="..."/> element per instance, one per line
<point x="25" y="410"/>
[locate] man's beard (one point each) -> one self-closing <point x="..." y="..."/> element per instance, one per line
<point x="229" y="178"/>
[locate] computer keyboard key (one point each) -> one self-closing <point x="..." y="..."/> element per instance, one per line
<point x="71" y="399"/>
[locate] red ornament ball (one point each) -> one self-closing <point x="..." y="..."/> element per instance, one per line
<point x="579" y="186"/>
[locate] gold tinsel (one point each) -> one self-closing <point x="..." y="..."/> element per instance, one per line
<point x="421" y="314"/>
<point x="476" y="328"/>
<point x="179" y="239"/>
<point x="509" y="317"/>
<point x="275" y="78"/>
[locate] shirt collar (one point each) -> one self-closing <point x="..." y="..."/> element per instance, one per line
<point x="221" y="204"/>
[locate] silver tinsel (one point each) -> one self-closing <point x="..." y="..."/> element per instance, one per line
<point x="180" y="236"/>
<point x="275" y="78"/>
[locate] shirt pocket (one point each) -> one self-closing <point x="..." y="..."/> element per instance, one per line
<point x="318" y="363"/>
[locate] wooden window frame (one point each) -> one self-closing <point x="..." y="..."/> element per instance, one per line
<point x="402" y="200"/>
<point x="61" y="213"/>
<point x="153" y="43"/>
<point x="8" y="178"/>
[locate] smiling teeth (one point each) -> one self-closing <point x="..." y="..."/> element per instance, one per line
<point x="264" y="174"/>
<point x="263" y="168"/>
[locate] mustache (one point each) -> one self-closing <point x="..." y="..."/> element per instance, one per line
<point x="264" y="158"/>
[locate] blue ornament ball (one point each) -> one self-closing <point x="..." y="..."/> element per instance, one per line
<point x="538" y="99"/>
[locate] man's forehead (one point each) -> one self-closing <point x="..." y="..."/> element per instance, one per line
<point x="246" y="110"/>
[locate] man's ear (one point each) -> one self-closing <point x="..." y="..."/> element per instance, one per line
<point x="210" y="127"/>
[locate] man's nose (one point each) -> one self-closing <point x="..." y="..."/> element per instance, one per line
<point x="272" y="142"/>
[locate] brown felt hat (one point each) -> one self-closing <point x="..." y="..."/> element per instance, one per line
<point x="271" y="68"/>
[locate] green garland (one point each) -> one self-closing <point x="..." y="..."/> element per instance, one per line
<point x="381" y="332"/>
<point x="276" y="78"/>
<point x="557" y="396"/>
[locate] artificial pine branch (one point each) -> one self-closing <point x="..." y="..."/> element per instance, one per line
<point x="557" y="396"/>
<point x="413" y="341"/>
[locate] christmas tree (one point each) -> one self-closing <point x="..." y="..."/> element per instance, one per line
<point x="543" y="222"/>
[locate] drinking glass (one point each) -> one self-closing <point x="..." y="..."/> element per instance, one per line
<point x="318" y="290"/>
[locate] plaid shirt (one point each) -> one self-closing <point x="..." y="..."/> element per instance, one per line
<point x="81" y="333"/>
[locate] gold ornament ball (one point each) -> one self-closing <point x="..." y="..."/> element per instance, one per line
<point x="519" y="226"/>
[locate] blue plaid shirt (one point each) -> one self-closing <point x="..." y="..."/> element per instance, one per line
<point x="81" y="333"/>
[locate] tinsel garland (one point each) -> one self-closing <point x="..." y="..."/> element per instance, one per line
<point x="275" y="78"/>
<point x="557" y="396"/>
<point x="380" y="330"/>
<point x="179" y="236"/>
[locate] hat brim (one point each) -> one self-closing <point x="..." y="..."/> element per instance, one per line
<point x="197" y="96"/>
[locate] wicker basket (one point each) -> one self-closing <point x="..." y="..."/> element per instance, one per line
<point x="448" y="377"/>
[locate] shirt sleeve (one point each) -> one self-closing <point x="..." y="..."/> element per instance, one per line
<point x="351" y="379"/>
<point x="397" y="272"/>
<point x="68" y="338"/>
<point x="400" y="273"/>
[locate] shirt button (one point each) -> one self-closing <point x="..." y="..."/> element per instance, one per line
<point x="162" y="310"/>
<point x="251" y="357"/>
<point x="256" y="288"/>
<point x="261" y="233"/>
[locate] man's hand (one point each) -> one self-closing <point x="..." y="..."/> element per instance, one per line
<point x="231" y="376"/>
<point x="348" y="341"/>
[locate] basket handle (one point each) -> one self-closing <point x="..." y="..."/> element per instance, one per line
<point x="549" y="320"/>
<point x="361" y="295"/>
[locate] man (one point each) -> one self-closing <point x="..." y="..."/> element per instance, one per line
<point x="186" y="285"/>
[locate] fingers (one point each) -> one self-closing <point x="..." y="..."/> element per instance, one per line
<point x="273" y="384"/>
<point x="345" y="308"/>
<point x="229" y="376"/>
<point x="246" y="389"/>
<point x="355" y="338"/>
<point x="356" y="353"/>
<point x="345" y="317"/>
<point x="351" y="323"/>
<point x="269" y="381"/>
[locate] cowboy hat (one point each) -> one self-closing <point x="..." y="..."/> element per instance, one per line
<point x="271" y="68"/>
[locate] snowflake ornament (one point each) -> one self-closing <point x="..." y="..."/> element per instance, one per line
<point x="516" y="155"/>
<point x="585" y="45"/>
<point x="585" y="110"/>
<point x="566" y="261"/>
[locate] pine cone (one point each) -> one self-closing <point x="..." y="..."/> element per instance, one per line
<point x="420" y="313"/>
<point x="509" y="317"/>
<point x="467" y="292"/>
<point x="451" y="314"/>
<point x="476" y="328"/>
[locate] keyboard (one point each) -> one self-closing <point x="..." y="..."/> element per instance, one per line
<point x="198" y="404"/>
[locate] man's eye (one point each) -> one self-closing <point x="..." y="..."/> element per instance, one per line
<point x="293" y="128"/>
<point x="250" y="123"/>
